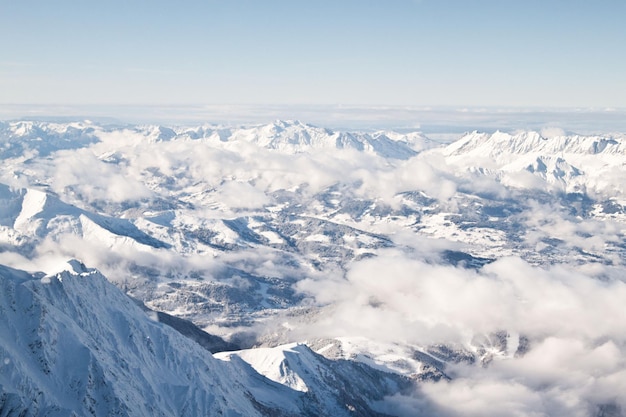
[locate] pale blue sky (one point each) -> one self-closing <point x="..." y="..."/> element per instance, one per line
<point x="546" y="53"/>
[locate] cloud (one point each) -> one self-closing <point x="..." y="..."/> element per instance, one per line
<point x="443" y="302"/>
<point x="559" y="376"/>
<point x="239" y="194"/>
<point x="551" y="226"/>
<point x="552" y="132"/>
<point x="81" y="172"/>
<point x="575" y="321"/>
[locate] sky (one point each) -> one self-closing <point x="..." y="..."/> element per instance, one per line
<point x="499" y="53"/>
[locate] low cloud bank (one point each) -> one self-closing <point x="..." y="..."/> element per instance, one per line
<point x="575" y="322"/>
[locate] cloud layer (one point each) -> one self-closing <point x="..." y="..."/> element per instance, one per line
<point x="575" y="324"/>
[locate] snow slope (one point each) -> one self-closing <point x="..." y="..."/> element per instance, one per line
<point x="295" y="137"/>
<point x="30" y="138"/>
<point x="567" y="163"/>
<point x="73" y="344"/>
<point x="36" y="214"/>
<point x="324" y="382"/>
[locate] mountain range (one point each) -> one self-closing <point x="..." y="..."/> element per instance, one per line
<point x="288" y="269"/>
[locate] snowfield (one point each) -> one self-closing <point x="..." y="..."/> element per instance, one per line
<point x="288" y="269"/>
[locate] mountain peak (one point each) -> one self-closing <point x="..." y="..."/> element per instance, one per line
<point x="290" y="123"/>
<point x="527" y="142"/>
<point x="293" y="136"/>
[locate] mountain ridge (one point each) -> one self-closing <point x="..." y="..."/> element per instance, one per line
<point x="74" y="344"/>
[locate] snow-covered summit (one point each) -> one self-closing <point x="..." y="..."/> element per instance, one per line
<point x="568" y="163"/>
<point x="42" y="138"/>
<point x="289" y="136"/>
<point x="36" y="214"/>
<point x="501" y="144"/>
<point x="74" y="344"/>
<point x="295" y="137"/>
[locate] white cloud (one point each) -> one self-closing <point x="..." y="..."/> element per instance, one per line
<point x="576" y="324"/>
<point x="552" y="132"/>
<point x="559" y="376"/>
<point x="239" y="194"/>
<point x="81" y="172"/>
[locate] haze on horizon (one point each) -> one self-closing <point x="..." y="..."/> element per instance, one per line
<point x="350" y="52"/>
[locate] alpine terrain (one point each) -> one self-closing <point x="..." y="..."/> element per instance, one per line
<point x="292" y="270"/>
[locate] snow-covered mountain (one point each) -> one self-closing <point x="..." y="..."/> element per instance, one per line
<point x="30" y="138"/>
<point x="18" y="138"/>
<point x="295" y="136"/>
<point x="345" y="272"/>
<point x="73" y="344"/>
<point x="32" y="213"/>
<point x="564" y="163"/>
<point x="502" y="146"/>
